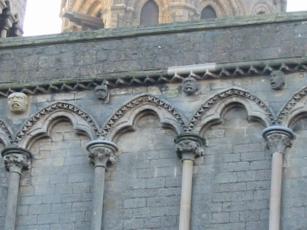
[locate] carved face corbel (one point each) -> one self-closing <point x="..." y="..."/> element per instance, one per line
<point x="189" y="86"/>
<point x="277" y="80"/>
<point x="102" y="92"/>
<point x="18" y="102"/>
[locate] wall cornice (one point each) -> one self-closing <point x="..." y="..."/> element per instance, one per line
<point x="170" y="75"/>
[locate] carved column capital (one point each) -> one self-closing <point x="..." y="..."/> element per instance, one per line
<point x="16" y="159"/>
<point x="189" y="146"/>
<point x="102" y="153"/>
<point x="278" y="138"/>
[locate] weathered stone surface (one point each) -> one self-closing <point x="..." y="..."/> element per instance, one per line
<point x="64" y="57"/>
<point x="231" y="182"/>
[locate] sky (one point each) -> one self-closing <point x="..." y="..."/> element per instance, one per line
<point x="42" y="16"/>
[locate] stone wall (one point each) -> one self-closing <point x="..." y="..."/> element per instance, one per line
<point x="123" y="51"/>
<point x="57" y="192"/>
<point x="146" y="110"/>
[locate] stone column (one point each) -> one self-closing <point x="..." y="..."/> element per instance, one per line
<point x="189" y="147"/>
<point x="278" y="140"/>
<point x="5" y="29"/>
<point x="16" y="160"/>
<point x="101" y="155"/>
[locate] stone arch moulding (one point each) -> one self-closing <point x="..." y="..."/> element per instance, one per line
<point x="125" y="116"/>
<point x="260" y="7"/>
<point x="6" y="135"/>
<point x="292" y="110"/>
<point x="162" y="5"/>
<point x="39" y="124"/>
<point x="208" y="13"/>
<point x="150" y="14"/>
<point x="238" y="8"/>
<point x="215" y="5"/>
<point x="94" y="8"/>
<point x="223" y="8"/>
<point x="212" y="109"/>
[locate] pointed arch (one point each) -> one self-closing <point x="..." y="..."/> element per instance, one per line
<point x="149" y="14"/>
<point x="137" y="5"/>
<point x="293" y="109"/>
<point x="238" y="8"/>
<point x="219" y="8"/>
<point x="212" y="109"/>
<point x="39" y="124"/>
<point x="125" y="116"/>
<point x="222" y="8"/>
<point x="208" y="12"/>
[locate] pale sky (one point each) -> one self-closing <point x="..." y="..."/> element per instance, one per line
<point x="42" y="16"/>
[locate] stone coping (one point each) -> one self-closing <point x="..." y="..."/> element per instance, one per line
<point x="120" y="33"/>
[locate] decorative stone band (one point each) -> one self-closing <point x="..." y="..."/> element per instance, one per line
<point x="172" y="74"/>
<point x="278" y="138"/>
<point x="102" y="153"/>
<point x="16" y="159"/>
<point x="189" y="146"/>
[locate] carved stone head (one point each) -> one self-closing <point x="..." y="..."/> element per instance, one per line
<point x="18" y="102"/>
<point x="102" y="92"/>
<point x="189" y="85"/>
<point x="277" y="80"/>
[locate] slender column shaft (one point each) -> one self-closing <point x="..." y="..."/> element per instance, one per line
<point x="189" y="147"/>
<point x="7" y="25"/>
<point x="101" y="154"/>
<point x="3" y="33"/>
<point x="278" y="140"/>
<point x="98" y="198"/>
<point x="276" y="191"/>
<point x="16" y="160"/>
<point x="186" y="195"/>
<point x="12" y="200"/>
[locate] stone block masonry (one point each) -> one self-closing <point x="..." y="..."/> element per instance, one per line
<point x="141" y="180"/>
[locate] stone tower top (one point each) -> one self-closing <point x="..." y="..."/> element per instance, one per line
<point x="93" y="14"/>
<point x="11" y="17"/>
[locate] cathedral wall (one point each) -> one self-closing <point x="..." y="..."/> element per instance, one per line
<point x="57" y="192"/>
<point x="127" y="13"/>
<point x="295" y="179"/>
<point x="231" y="182"/>
<point x="146" y="49"/>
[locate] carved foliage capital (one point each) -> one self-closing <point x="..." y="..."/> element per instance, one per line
<point x="16" y="159"/>
<point x="189" y="146"/>
<point x="102" y="153"/>
<point x="278" y="138"/>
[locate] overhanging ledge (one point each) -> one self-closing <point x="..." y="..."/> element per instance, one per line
<point x="170" y="75"/>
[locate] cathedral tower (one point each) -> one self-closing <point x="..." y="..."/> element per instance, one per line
<point x="94" y="14"/>
<point x="11" y="17"/>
